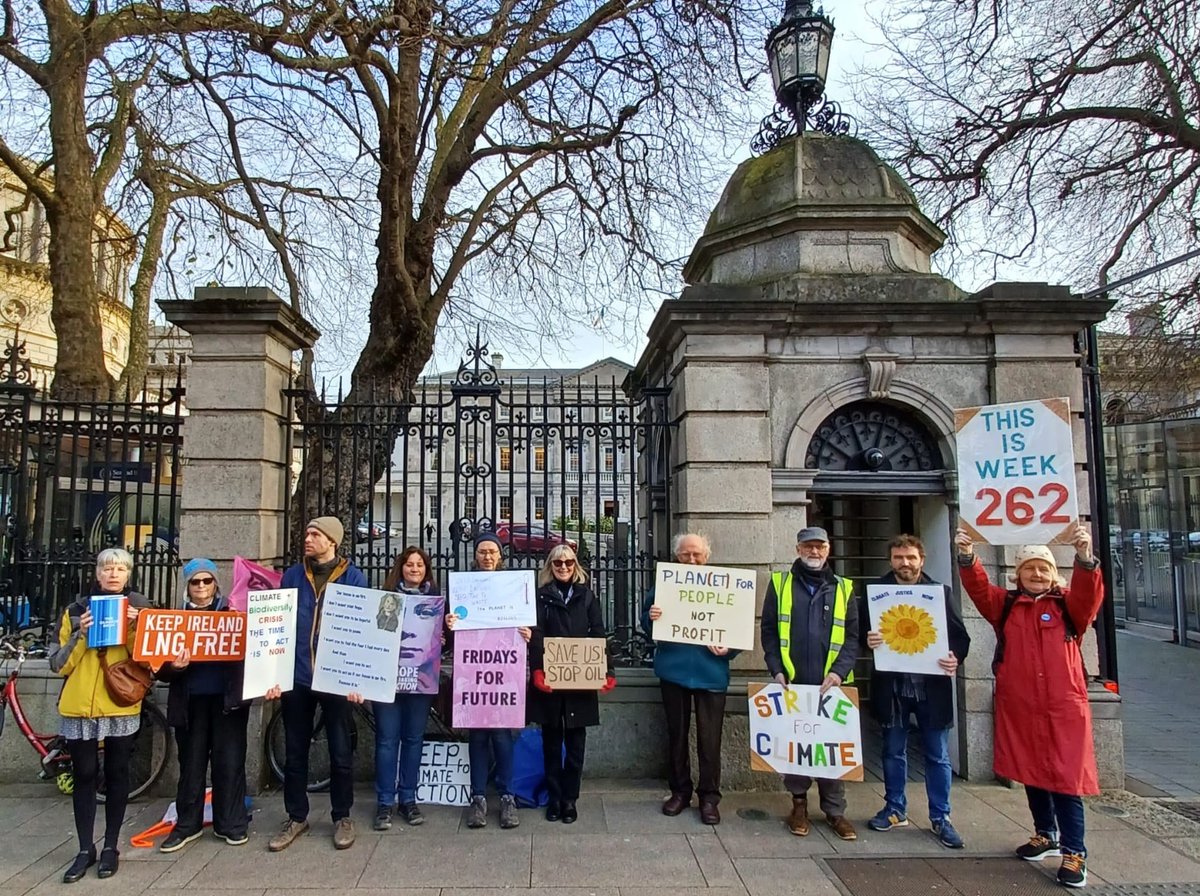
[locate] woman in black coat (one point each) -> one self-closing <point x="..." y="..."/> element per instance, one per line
<point x="566" y="608"/>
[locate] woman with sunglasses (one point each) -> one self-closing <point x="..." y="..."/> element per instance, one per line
<point x="566" y="608"/>
<point x="205" y="707"/>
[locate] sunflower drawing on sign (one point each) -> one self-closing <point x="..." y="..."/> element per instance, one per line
<point x="907" y="629"/>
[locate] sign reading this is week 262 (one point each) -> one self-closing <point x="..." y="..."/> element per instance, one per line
<point x="1016" y="472"/>
<point x="705" y="605"/>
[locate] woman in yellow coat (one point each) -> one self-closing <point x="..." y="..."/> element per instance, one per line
<point x="90" y="715"/>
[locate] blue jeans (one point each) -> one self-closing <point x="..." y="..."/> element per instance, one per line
<point x="399" y="736"/>
<point x="1058" y="816"/>
<point x="936" y="744"/>
<point x="485" y="746"/>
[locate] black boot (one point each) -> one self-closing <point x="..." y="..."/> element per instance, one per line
<point x="79" y="867"/>
<point x="553" y="810"/>
<point x="108" y="863"/>
<point x="569" y="813"/>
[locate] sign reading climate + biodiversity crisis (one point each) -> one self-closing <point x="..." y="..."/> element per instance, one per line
<point x="707" y="605"/>
<point x="911" y="619"/>
<point x="797" y="730"/>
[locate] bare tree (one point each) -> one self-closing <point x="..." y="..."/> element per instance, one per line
<point x="1060" y="133"/>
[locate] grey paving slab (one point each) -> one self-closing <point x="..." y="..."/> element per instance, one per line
<point x="132" y="878"/>
<point x="626" y="815"/>
<point x="496" y="891"/>
<point x="785" y="877"/>
<point x="683" y="891"/>
<point x="310" y="862"/>
<point x="19" y="852"/>
<point x="773" y="842"/>
<point x="615" y="860"/>
<point x="474" y="859"/>
<point x="50" y="865"/>
<point x="714" y="862"/>
<point x="183" y="866"/>
<point x="16" y="812"/>
<point x="1131" y="857"/>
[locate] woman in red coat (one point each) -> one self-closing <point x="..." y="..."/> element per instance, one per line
<point x="1043" y="724"/>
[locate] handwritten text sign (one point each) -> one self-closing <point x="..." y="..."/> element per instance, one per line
<point x="270" y="641"/>
<point x="797" y="730"/>
<point x="503" y="599"/>
<point x="489" y="678"/>
<point x="1016" y="472"/>
<point x="445" y="773"/>
<point x="208" y="636"/>
<point x="358" y="647"/>
<point x="911" y="619"/>
<point x="705" y="605"/>
<point x="575" y="664"/>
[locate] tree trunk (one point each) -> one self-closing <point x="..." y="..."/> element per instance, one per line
<point x="133" y="376"/>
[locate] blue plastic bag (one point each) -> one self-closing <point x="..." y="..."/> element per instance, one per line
<point x="529" y="770"/>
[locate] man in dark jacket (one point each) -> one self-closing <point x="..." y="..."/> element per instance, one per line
<point x="930" y="698"/>
<point x="321" y="566"/>
<point x="810" y="636"/>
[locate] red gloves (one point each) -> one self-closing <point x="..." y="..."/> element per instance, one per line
<point x="610" y="682"/>
<point x="539" y="681"/>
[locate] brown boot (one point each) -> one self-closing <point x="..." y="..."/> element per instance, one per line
<point x="842" y="827"/>
<point x="798" y="821"/>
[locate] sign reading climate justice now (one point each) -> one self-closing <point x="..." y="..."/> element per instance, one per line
<point x="1016" y="472"/>
<point x="797" y="730"/>
<point x="705" y="605"/>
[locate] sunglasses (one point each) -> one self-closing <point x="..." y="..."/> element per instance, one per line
<point x="205" y="581"/>
<point x="563" y="564"/>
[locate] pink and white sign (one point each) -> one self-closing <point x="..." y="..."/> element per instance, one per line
<point x="489" y="678"/>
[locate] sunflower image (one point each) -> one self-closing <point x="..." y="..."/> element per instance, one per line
<point x="907" y="629"/>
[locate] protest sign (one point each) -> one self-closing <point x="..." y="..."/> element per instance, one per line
<point x="911" y="619"/>
<point x="705" y="605"/>
<point x="358" y="645"/>
<point x="420" y="644"/>
<point x="109" y="625"/>
<point x="445" y="773"/>
<point x="249" y="576"/>
<point x="489" y="678"/>
<point x="270" y="641"/>
<point x="575" y="664"/>
<point x="503" y="599"/>
<point x="208" y="636"/>
<point x="1016" y="472"/>
<point x="797" y="730"/>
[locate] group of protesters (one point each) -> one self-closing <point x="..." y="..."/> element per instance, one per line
<point x="813" y="629"/>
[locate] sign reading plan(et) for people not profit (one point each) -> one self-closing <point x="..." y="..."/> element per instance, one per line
<point x="705" y="605"/>
<point x="797" y="730"/>
<point x="911" y="619"/>
<point x="501" y="599"/>
<point x="1016" y="472"/>
<point x="357" y="648"/>
<point x="270" y="641"/>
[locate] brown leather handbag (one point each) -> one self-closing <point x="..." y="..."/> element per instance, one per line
<point x="127" y="682"/>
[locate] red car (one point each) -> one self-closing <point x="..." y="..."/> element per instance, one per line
<point x="529" y="539"/>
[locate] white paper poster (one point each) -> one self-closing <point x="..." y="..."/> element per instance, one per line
<point x="501" y="599"/>
<point x="270" y="641"/>
<point x="358" y="646"/>
<point x="705" y="605"/>
<point x="911" y="619"/>
<point x="797" y="730"/>
<point x="445" y="773"/>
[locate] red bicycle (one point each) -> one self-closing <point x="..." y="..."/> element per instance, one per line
<point x="151" y="743"/>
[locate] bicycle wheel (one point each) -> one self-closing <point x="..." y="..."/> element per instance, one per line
<point x="319" y="773"/>
<point x="151" y="747"/>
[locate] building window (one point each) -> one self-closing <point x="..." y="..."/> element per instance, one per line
<point x="606" y="414"/>
<point x="503" y="413"/>
<point x="435" y="507"/>
<point x="539" y="507"/>
<point x="573" y="464"/>
<point x="506" y="507"/>
<point x="573" y="503"/>
<point x="539" y="459"/>
<point x="435" y="457"/>
<point x="470" y="505"/>
<point x="537" y="412"/>
<point x="610" y="459"/>
<point x="505" y="458"/>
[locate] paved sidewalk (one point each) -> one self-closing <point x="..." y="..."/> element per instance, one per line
<point x="621" y="846"/>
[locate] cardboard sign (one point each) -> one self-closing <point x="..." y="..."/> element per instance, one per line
<point x="489" y="678"/>
<point x="208" y="635"/>
<point x="270" y="642"/>
<point x="705" y="605"/>
<point x="911" y="619"/>
<point x="797" y="730"/>
<point x="109" y="625"/>
<point x="358" y="646"/>
<point x="1016" y="472"/>
<point x="503" y="599"/>
<point x="575" y="664"/>
<point x="445" y="773"/>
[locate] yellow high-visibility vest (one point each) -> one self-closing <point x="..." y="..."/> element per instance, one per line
<point x="837" y="636"/>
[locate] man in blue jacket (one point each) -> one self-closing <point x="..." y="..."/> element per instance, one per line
<point x="691" y="674"/>
<point x="320" y="567"/>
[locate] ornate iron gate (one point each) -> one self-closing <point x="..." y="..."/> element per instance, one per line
<point x="566" y="455"/>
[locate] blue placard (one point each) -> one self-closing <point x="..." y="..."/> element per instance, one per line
<point x="108" y="620"/>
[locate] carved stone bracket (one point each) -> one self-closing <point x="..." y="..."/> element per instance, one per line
<point x="880" y="367"/>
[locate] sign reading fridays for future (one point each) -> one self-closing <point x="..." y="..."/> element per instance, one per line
<point x="705" y="605"/>
<point x="1016" y="472"/>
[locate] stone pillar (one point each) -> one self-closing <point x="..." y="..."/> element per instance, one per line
<point x="235" y="480"/>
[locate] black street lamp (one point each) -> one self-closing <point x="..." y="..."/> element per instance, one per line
<point x="798" y="54"/>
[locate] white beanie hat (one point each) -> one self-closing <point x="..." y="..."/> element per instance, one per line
<point x="1028" y="552"/>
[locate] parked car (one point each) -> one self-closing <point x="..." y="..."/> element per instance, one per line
<point x="364" y="531"/>
<point x="530" y="539"/>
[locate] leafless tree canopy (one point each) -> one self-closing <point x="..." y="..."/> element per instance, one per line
<point x="1065" y="133"/>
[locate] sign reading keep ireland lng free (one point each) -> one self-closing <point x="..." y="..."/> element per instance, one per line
<point x="705" y="605"/>
<point x="797" y="730"/>
<point x="1016" y="472"/>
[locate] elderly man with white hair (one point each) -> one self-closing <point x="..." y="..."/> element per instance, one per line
<point x="691" y="674"/>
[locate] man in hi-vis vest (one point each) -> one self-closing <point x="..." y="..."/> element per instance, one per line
<point x="810" y="636"/>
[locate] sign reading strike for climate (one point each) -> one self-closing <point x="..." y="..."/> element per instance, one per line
<point x="1016" y="472"/>
<point x="797" y="730"/>
<point x="705" y="605"/>
<point x="207" y="635"/>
